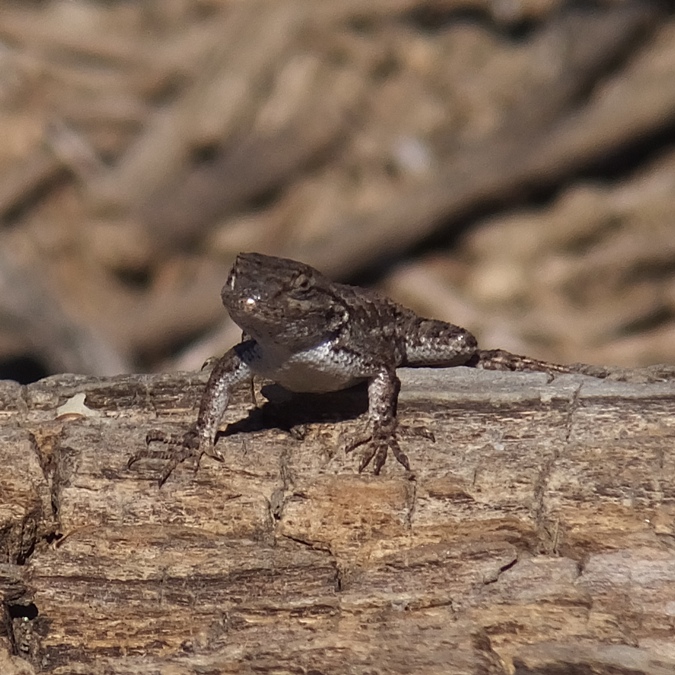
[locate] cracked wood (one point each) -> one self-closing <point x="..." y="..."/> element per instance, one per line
<point x="540" y="507"/>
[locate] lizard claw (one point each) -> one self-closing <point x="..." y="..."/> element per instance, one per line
<point x="215" y="453"/>
<point x="378" y="443"/>
<point x="178" y="448"/>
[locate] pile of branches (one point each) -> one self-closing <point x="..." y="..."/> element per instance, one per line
<point x="449" y="149"/>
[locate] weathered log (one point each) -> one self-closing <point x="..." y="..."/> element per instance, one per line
<point x="534" y="535"/>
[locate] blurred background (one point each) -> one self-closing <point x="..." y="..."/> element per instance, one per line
<point x="506" y="165"/>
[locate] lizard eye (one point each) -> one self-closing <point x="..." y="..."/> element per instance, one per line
<point x="302" y="282"/>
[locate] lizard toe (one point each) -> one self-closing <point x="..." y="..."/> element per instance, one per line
<point x="175" y="449"/>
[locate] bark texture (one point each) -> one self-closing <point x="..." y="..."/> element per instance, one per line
<point x="536" y="534"/>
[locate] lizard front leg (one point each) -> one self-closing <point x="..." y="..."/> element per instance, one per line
<point x="380" y="433"/>
<point x="200" y="439"/>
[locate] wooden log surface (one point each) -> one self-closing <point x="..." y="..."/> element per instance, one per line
<point x="535" y="534"/>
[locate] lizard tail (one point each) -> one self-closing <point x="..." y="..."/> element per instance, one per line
<point x="499" y="359"/>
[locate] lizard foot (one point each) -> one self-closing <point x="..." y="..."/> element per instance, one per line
<point x="178" y="448"/>
<point x="378" y="442"/>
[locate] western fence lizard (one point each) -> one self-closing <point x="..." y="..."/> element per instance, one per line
<point x="310" y="334"/>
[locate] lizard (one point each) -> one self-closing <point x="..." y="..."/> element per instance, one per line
<point x="308" y="333"/>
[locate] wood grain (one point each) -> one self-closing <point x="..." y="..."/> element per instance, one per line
<point x="535" y="534"/>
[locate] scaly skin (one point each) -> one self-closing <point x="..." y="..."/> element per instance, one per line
<point x="310" y="334"/>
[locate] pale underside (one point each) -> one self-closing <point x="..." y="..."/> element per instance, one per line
<point x="317" y="369"/>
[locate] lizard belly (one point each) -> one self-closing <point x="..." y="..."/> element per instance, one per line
<point x="319" y="369"/>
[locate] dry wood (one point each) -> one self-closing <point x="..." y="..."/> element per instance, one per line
<point x="253" y="164"/>
<point x="143" y="145"/>
<point x="216" y="104"/>
<point x="527" y="150"/>
<point x="539" y="145"/>
<point x="26" y="177"/>
<point x="30" y="308"/>
<point x="536" y="534"/>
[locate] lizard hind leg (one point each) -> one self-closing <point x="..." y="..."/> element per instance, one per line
<point x="379" y="436"/>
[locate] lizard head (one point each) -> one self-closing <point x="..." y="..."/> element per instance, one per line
<point x="282" y="301"/>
